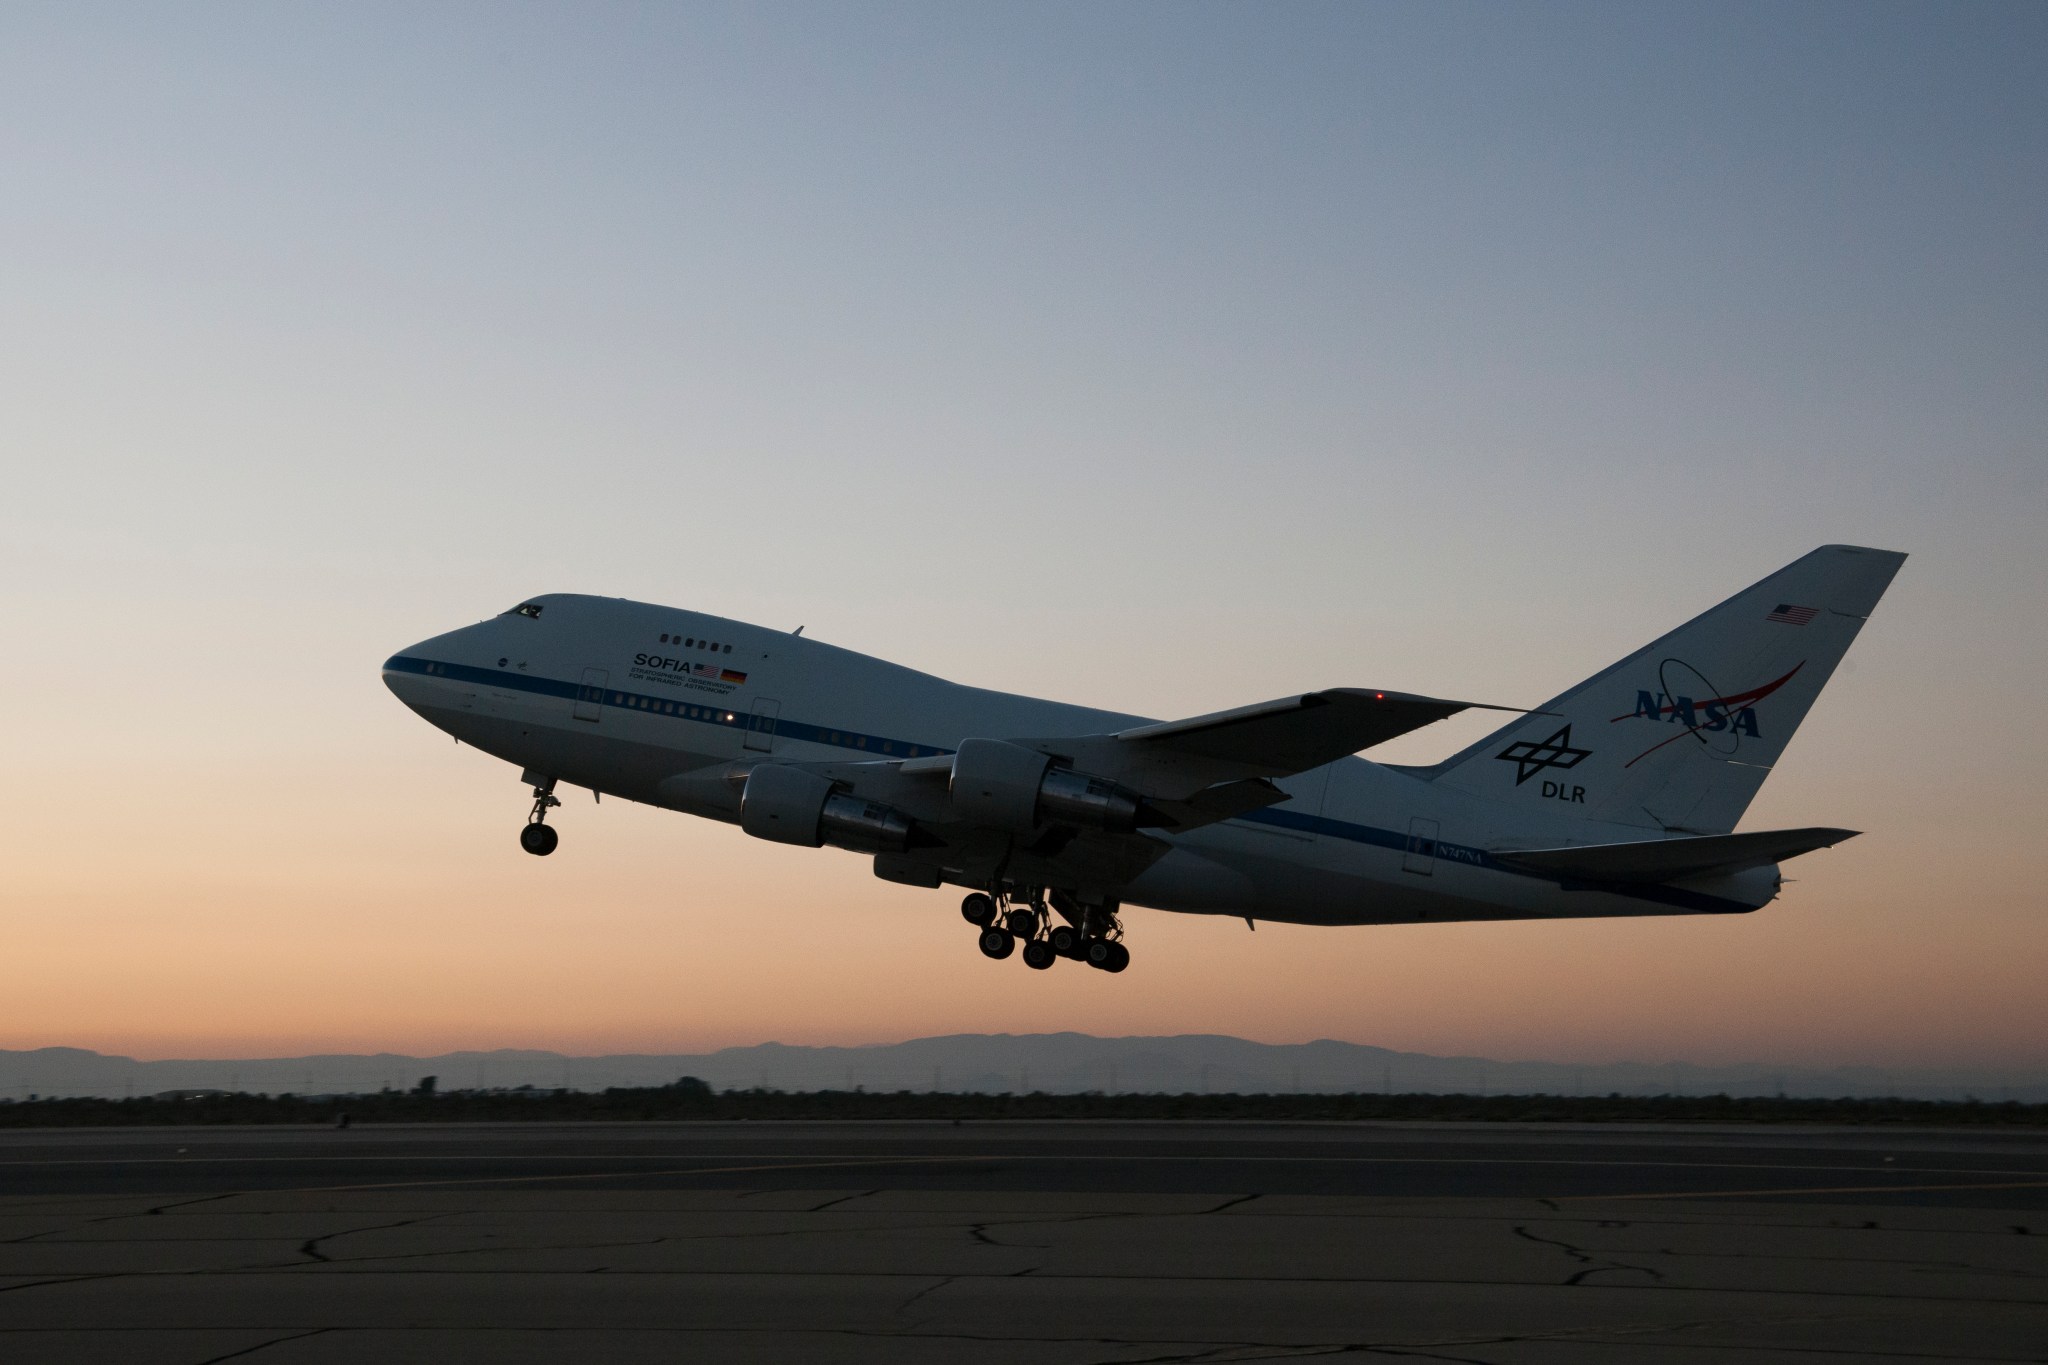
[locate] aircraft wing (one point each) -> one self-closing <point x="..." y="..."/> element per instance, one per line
<point x="1670" y="860"/>
<point x="1188" y="773"/>
<point x="1173" y="760"/>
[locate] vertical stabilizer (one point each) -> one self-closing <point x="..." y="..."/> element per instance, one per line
<point x="1679" y="735"/>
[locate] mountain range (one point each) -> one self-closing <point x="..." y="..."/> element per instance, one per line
<point x="1057" y="1063"/>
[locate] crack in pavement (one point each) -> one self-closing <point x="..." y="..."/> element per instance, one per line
<point x="844" y="1198"/>
<point x="931" y="1288"/>
<point x="979" y="1231"/>
<point x="1232" y="1203"/>
<point x="265" y="1345"/>
<point x="519" y="1249"/>
<point x="161" y="1209"/>
<point x="119" y="1217"/>
<point x="311" y="1246"/>
<point x="1594" y="1265"/>
<point x="1234" y="1351"/>
<point x="64" y="1279"/>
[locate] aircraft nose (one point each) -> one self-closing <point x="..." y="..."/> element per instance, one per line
<point x="406" y="674"/>
<point x="419" y="673"/>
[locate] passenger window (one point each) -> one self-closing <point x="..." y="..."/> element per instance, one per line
<point x="728" y="649"/>
<point x="688" y="643"/>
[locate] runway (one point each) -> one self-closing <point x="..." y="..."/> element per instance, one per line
<point x="1022" y="1242"/>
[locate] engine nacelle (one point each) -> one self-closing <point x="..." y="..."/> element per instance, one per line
<point x="792" y="806"/>
<point x="1080" y="799"/>
<point x="1007" y="786"/>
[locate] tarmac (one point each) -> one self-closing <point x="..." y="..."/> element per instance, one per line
<point x="1066" y="1243"/>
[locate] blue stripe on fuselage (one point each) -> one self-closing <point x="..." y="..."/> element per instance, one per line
<point x="872" y="746"/>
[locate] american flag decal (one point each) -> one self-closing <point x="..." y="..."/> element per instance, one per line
<point x="1787" y="614"/>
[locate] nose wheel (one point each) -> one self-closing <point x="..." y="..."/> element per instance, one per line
<point x="539" y="838"/>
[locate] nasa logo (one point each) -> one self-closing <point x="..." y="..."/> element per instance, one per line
<point x="1729" y="717"/>
<point x="1711" y="714"/>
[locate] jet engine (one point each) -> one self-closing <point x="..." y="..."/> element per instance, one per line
<point x="792" y="806"/>
<point x="1007" y="786"/>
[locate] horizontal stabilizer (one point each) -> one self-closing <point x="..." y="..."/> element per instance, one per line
<point x="1670" y="860"/>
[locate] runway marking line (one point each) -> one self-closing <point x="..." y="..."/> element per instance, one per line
<point x="619" y="1175"/>
<point x="873" y="1162"/>
<point x="1824" y="1189"/>
<point x="848" y="1158"/>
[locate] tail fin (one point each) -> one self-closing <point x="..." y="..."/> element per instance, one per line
<point x="1679" y="735"/>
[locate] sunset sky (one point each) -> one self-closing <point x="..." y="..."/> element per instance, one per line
<point x="1160" y="357"/>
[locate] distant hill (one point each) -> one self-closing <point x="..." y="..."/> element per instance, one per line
<point x="1057" y="1063"/>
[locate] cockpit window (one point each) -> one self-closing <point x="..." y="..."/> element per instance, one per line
<point x="529" y="609"/>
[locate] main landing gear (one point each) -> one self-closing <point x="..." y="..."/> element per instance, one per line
<point x="1091" y="934"/>
<point x="539" y="838"/>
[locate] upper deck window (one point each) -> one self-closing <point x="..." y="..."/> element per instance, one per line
<point x="529" y="609"/>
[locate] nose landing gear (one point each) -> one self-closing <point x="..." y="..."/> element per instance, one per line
<point x="539" y="838"/>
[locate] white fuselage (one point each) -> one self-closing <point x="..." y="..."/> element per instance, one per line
<point x="634" y="701"/>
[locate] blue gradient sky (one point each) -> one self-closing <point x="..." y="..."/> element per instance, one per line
<point x="1161" y="357"/>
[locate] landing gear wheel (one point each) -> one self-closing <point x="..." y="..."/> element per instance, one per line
<point x="537" y="838"/>
<point x="1066" y="940"/>
<point x="1022" y="923"/>
<point x="1038" y="955"/>
<point x="978" y="909"/>
<point x="1110" y="957"/>
<point x="997" y="943"/>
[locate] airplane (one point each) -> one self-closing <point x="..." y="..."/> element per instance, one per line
<point x="1617" y="797"/>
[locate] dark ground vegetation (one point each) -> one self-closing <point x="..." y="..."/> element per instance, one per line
<point x="690" y="1098"/>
